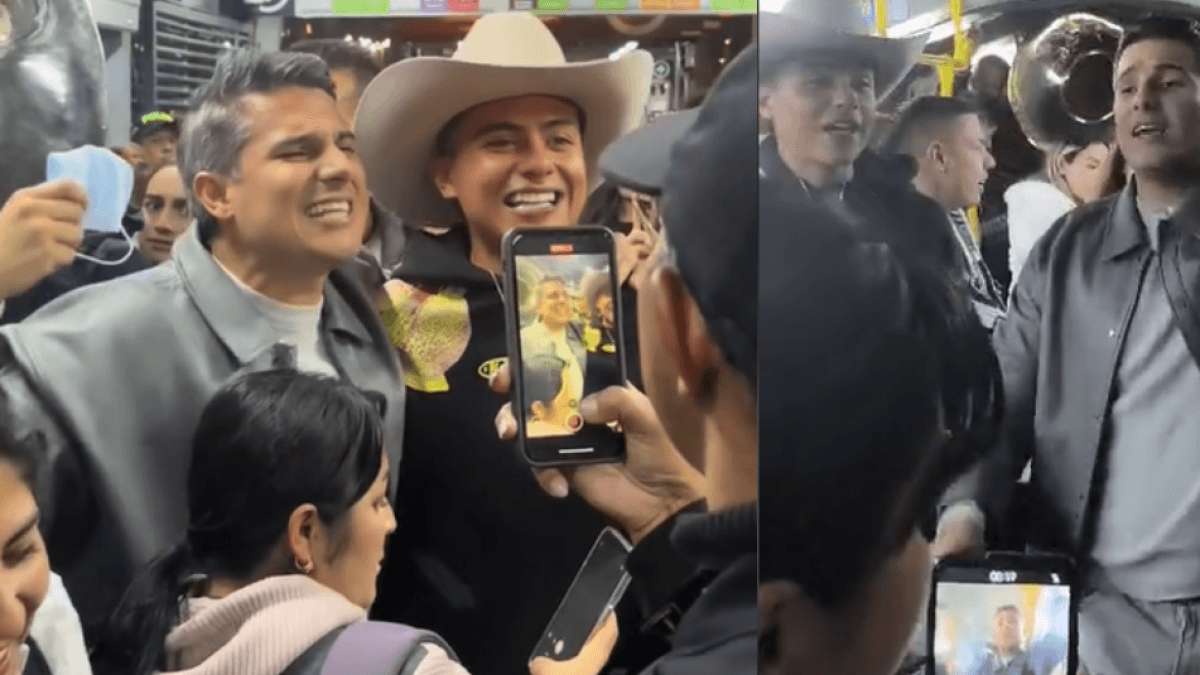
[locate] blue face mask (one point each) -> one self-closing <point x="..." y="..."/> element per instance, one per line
<point x="108" y="180"/>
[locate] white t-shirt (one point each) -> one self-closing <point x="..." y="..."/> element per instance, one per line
<point x="296" y="325"/>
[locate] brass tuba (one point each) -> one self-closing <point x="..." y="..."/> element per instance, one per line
<point x="1061" y="83"/>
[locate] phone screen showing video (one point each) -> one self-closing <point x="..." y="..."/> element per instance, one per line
<point x="995" y="621"/>
<point x="569" y="342"/>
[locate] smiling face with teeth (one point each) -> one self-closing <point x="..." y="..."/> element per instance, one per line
<point x="298" y="201"/>
<point x="1157" y="106"/>
<point x="512" y="163"/>
<point x="822" y="112"/>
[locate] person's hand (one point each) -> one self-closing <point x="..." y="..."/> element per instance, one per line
<point x="41" y="227"/>
<point x="632" y="250"/>
<point x="653" y="483"/>
<point x="591" y="658"/>
<point x="958" y="536"/>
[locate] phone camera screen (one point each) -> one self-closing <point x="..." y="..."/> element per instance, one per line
<point x="998" y="622"/>
<point x="568" y="338"/>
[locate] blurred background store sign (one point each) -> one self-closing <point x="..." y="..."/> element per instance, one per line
<point x="376" y="8"/>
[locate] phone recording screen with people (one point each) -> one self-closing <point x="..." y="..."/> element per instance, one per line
<point x="1004" y="615"/>
<point x="566" y="332"/>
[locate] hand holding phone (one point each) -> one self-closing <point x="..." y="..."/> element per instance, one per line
<point x="653" y="483"/>
<point x="586" y="606"/>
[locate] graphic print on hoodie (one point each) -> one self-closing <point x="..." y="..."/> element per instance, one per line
<point x="482" y="555"/>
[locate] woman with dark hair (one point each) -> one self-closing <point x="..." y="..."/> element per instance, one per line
<point x="1074" y="174"/>
<point x="288" y="516"/>
<point x="39" y="629"/>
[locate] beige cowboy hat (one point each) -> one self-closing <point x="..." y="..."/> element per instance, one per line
<point x="807" y="27"/>
<point x="503" y="56"/>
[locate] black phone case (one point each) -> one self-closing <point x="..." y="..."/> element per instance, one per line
<point x="574" y="637"/>
<point x="512" y="332"/>
<point x="1007" y="560"/>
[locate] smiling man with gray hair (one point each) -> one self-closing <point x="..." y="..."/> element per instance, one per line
<point x="115" y="375"/>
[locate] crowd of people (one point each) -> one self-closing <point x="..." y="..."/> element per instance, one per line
<point x="277" y="438"/>
<point x="205" y="446"/>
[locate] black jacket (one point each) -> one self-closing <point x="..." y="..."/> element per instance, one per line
<point x="100" y="245"/>
<point x="718" y="634"/>
<point x="1059" y="349"/>
<point x="482" y="556"/>
<point x="881" y="196"/>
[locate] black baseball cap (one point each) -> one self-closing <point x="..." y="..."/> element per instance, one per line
<point x="704" y="164"/>
<point x="152" y="123"/>
<point x="639" y="160"/>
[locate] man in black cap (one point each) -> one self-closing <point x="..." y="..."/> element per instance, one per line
<point x="698" y="324"/>
<point x="157" y="133"/>
<point x="154" y="142"/>
<point x="821" y="76"/>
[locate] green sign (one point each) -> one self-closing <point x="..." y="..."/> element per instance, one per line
<point x="553" y="5"/>
<point x="734" y="5"/>
<point x="361" y="7"/>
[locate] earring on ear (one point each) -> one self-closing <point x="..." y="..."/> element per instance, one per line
<point x="304" y="568"/>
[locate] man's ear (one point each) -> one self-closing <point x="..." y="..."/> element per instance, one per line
<point x="212" y="191"/>
<point x="439" y="172"/>
<point x="937" y="155"/>
<point x="685" y="336"/>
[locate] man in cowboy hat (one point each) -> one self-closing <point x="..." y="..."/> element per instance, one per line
<point x="821" y="74"/>
<point x="504" y="133"/>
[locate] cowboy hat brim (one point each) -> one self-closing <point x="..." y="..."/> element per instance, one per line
<point x="406" y="106"/>
<point x="639" y="160"/>
<point x="784" y="36"/>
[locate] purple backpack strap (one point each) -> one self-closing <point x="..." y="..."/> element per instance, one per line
<point x="380" y="648"/>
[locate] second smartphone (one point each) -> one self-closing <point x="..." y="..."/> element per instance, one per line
<point x="566" y="339"/>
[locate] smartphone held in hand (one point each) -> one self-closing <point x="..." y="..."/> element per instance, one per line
<point x="593" y="595"/>
<point x="566" y="341"/>
<point x="1008" y="612"/>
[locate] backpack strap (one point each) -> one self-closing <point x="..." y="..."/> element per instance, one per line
<point x="380" y="648"/>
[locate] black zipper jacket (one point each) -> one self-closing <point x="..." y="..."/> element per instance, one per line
<point x="482" y="555"/>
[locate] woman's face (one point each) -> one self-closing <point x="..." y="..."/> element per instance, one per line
<point x="353" y="571"/>
<point x="1090" y="173"/>
<point x="24" y="566"/>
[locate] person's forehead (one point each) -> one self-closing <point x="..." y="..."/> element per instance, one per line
<point x="166" y="182"/>
<point x="1156" y="54"/>
<point x="292" y="112"/>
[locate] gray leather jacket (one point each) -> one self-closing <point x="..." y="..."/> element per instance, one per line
<point x="115" y="376"/>
<point x="1058" y="348"/>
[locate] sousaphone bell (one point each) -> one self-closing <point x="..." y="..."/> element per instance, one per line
<point x="1061" y="82"/>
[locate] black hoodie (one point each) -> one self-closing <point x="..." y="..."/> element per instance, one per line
<point x="482" y="555"/>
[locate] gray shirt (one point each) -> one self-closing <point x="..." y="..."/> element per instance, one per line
<point x="1147" y="542"/>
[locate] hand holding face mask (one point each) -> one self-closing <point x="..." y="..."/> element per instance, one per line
<point x="40" y="231"/>
<point x="108" y="180"/>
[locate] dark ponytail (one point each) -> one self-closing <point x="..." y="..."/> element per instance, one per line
<point x="267" y="443"/>
<point x="150" y="609"/>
